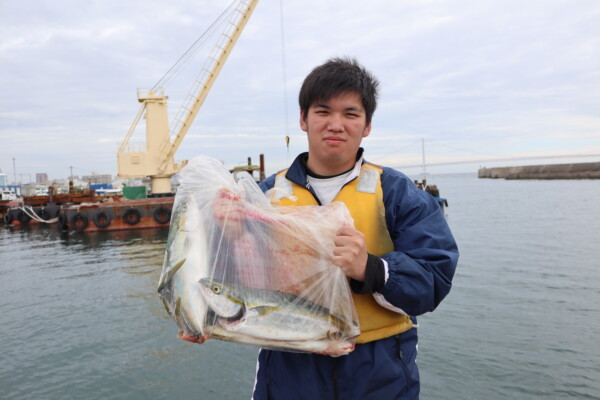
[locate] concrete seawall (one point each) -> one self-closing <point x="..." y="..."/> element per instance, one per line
<point x="551" y="171"/>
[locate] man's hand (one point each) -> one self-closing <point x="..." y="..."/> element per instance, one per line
<point x="350" y="252"/>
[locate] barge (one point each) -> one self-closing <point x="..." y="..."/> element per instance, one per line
<point x="46" y="209"/>
<point x="117" y="215"/>
<point x="87" y="211"/>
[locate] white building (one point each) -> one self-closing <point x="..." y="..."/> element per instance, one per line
<point x="41" y="178"/>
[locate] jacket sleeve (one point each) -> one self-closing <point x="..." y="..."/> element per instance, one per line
<point x="422" y="265"/>
<point x="267" y="183"/>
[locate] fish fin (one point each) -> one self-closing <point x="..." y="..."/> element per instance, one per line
<point x="166" y="306"/>
<point x="178" y="307"/>
<point x="170" y="273"/>
<point x="264" y="310"/>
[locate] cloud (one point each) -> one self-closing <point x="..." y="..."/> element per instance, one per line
<point x="471" y="77"/>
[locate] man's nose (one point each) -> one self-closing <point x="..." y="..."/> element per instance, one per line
<point x="335" y="123"/>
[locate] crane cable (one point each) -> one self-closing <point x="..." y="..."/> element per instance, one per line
<point x="193" y="49"/>
<point x="285" y="105"/>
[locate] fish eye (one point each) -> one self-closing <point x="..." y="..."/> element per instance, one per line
<point x="216" y="289"/>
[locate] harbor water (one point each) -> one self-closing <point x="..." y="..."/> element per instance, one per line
<point x="80" y="316"/>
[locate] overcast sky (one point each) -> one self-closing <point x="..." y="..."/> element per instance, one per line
<point x="479" y="81"/>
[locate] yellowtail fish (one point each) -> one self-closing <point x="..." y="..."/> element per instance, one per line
<point x="273" y="316"/>
<point x="186" y="262"/>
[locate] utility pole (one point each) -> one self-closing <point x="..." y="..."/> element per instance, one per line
<point x="14" y="172"/>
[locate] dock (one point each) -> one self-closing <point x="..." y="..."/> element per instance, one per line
<point x="589" y="170"/>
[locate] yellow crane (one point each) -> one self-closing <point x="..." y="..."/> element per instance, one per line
<point x="157" y="161"/>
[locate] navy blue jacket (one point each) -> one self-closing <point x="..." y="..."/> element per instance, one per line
<point x="420" y="275"/>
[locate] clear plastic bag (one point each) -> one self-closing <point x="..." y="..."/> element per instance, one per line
<point x="240" y="269"/>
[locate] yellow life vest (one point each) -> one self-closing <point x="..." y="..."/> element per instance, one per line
<point x="364" y="198"/>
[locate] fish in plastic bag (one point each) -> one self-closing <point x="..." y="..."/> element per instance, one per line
<point x="240" y="269"/>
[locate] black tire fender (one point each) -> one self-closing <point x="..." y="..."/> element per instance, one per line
<point x="79" y="222"/>
<point x="101" y="219"/>
<point x="23" y="217"/>
<point x="132" y="216"/>
<point x="62" y="221"/>
<point x="8" y="218"/>
<point x="162" y="215"/>
<point x="44" y="214"/>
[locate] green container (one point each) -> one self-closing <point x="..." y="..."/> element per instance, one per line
<point x="134" y="192"/>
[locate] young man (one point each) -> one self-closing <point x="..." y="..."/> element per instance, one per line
<point x="400" y="257"/>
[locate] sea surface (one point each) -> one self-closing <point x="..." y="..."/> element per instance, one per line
<point x="80" y="316"/>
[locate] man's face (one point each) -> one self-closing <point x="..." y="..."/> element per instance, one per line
<point x="335" y="130"/>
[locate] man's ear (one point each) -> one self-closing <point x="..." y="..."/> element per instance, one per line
<point x="367" y="131"/>
<point x="303" y="124"/>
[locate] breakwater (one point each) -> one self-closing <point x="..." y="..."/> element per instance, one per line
<point x="589" y="170"/>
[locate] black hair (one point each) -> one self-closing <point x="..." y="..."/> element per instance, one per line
<point x="336" y="76"/>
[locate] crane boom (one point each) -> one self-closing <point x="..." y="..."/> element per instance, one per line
<point x="157" y="161"/>
<point x="211" y="70"/>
